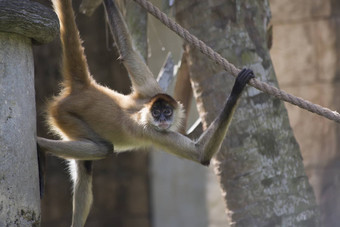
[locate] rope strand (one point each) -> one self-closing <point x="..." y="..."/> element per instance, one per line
<point x="193" y="40"/>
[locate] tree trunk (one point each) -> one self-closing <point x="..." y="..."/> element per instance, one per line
<point x="137" y="20"/>
<point x="20" y="23"/>
<point x="259" y="165"/>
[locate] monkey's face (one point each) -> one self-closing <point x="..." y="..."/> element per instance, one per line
<point x="162" y="115"/>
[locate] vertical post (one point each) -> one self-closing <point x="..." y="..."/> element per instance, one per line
<point x="21" y="24"/>
<point x="19" y="191"/>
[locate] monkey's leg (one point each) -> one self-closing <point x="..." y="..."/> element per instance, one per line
<point x="81" y="172"/>
<point x="80" y="150"/>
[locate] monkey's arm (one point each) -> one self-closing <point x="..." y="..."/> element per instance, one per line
<point x="210" y="141"/>
<point x="143" y="81"/>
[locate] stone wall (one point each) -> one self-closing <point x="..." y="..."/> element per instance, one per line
<point x="306" y="57"/>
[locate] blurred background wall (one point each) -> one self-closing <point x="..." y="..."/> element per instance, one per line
<point x="306" y="57"/>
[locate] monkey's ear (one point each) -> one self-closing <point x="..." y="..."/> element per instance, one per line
<point x="179" y="117"/>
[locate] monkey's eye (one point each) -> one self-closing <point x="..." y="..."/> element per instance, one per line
<point x="167" y="112"/>
<point x="156" y="113"/>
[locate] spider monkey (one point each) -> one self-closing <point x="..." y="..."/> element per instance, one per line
<point x="90" y="118"/>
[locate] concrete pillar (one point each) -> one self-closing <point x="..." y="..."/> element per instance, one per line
<point x="21" y="24"/>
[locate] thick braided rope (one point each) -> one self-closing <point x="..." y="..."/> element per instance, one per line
<point x="185" y="34"/>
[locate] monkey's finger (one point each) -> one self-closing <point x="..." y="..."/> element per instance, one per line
<point x="242" y="72"/>
<point x="246" y="75"/>
<point x="249" y="74"/>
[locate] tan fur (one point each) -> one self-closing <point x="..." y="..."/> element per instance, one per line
<point x="84" y="98"/>
<point x="85" y="114"/>
<point x="90" y="117"/>
<point x="178" y="111"/>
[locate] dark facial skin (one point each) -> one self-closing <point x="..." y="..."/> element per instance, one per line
<point x="162" y="113"/>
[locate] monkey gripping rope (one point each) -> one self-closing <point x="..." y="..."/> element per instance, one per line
<point x="193" y="40"/>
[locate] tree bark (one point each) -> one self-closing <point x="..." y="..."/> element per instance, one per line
<point x="259" y="165"/>
<point x="29" y="19"/>
<point x="137" y="20"/>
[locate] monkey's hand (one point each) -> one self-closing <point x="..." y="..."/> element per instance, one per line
<point x="242" y="79"/>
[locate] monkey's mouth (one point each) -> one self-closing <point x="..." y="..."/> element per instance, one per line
<point x="163" y="126"/>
